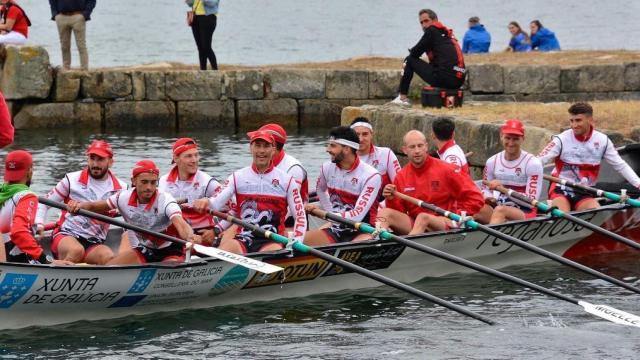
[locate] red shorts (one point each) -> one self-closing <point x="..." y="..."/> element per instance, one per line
<point x="88" y="244"/>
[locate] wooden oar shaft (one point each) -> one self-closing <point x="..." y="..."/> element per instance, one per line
<point x="366" y="228"/>
<point x="542" y="252"/>
<point x="355" y="268"/>
<point x="591" y="190"/>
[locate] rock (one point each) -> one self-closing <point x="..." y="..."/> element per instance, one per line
<point x="26" y="73"/>
<point x="67" y="85"/>
<point x="297" y="84"/>
<point x="383" y="84"/>
<point x="244" y="85"/>
<point x="254" y="113"/>
<point x="361" y="102"/>
<point x="635" y="134"/>
<point x="486" y="78"/>
<point x="592" y="78"/>
<point x="193" y="85"/>
<point x="632" y="77"/>
<point x="106" y="85"/>
<point x="212" y="114"/>
<point x="59" y="116"/>
<point x="616" y="137"/>
<point x="320" y="113"/>
<point x="347" y="84"/>
<point x="154" y="86"/>
<point x="138" y="82"/>
<point x="140" y="115"/>
<point x="531" y="79"/>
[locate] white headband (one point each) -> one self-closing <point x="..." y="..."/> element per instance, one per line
<point x="345" y="142"/>
<point x="362" y="123"/>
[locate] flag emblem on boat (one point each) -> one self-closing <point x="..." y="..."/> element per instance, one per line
<point x="143" y="280"/>
<point x="14" y="287"/>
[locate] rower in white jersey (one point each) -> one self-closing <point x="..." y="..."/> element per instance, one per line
<point x="382" y="159"/>
<point x="577" y="154"/>
<point x="263" y="195"/>
<point x="514" y="169"/>
<point x="443" y="130"/>
<point x="186" y="182"/>
<point x="346" y="186"/>
<point x="79" y="238"/>
<point x="147" y="207"/>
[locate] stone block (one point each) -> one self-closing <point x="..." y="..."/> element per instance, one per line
<point x="635" y="134"/>
<point x="59" y="116"/>
<point x="212" y="114"/>
<point x="347" y="84"/>
<point x="361" y="102"/>
<point x="593" y="78"/>
<point x="140" y="115"/>
<point x="486" y="78"/>
<point x="632" y="76"/>
<point x="26" y="73"/>
<point x="193" y="85"/>
<point x="107" y="85"/>
<point x="244" y="85"/>
<point x="67" y="85"/>
<point x="252" y="114"/>
<point x="154" y="86"/>
<point x="531" y="79"/>
<point x="297" y="84"/>
<point x="137" y="80"/>
<point x="383" y="84"/>
<point x="320" y="113"/>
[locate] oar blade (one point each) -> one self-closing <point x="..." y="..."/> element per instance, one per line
<point x="252" y="264"/>
<point x="612" y="314"/>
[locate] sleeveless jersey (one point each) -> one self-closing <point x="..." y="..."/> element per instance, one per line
<point x="385" y="161"/>
<point x="523" y="175"/>
<point x="452" y="153"/>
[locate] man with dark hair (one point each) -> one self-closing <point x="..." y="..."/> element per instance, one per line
<point x="577" y="154"/>
<point x="445" y="68"/>
<point x="442" y="136"/>
<point x="381" y="158"/>
<point x="346" y="186"/>
<point x="477" y="39"/>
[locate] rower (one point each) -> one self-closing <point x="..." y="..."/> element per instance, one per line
<point x="346" y="186"/>
<point x="79" y="238"/>
<point x="263" y="195"/>
<point x="18" y="204"/>
<point x="145" y="206"/>
<point x="514" y="169"/>
<point x="577" y="154"/>
<point x="442" y="135"/>
<point x="381" y="158"/>
<point x="431" y="180"/>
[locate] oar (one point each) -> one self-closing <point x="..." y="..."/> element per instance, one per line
<point x="561" y="214"/>
<point x="591" y="190"/>
<point x="470" y="223"/>
<point x="209" y="251"/>
<point x="602" y="311"/>
<point x="298" y="246"/>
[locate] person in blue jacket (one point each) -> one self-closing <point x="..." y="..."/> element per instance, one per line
<point x="520" y="41"/>
<point x="477" y="39"/>
<point x="543" y="39"/>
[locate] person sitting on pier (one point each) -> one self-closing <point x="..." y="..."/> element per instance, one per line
<point x="263" y="196"/>
<point x="78" y="238"/>
<point x="577" y="154"/>
<point x="381" y="158"/>
<point x="514" y="169"/>
<point x="145" y="206"/>
<point x="14" y="23"/>
<point x="18" y="204"/>
<point x="445" y="68"/>
<point x="346" y="186"/>
<point x="431" y="180"/>
<point x="543" y="39"/>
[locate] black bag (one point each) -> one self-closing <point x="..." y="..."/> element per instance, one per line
<point x="439" y="97"/>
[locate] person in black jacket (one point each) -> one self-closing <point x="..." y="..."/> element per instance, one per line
<point x="72" y="15"/>
<point x="445" y="68"/>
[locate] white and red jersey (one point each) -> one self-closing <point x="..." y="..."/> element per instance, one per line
<point x="578" y="158"/>
<point x="523" y="175"/>
<point x="385" y="161"/>
<point x="293" y="167"/>
<point x="198" y="186"/>
<point x="81" y="187"/>
<point x="17" y="216"/>
<point x="352" y="193"/>
<point x="155" y="215"/>
<point x="263" y="199"/>
<point x="452" y="153"/>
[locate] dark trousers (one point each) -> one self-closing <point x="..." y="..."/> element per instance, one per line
<point x="429" y="74"/>
<point x="203" y="27"/>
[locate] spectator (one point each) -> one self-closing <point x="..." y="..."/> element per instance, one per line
<point x="203" y="25"/>
<point x="14" y="28"/>
<point x="543" y="39"/>
<point x="477" y="39"/>
<point x="520" y="41"/>
<point x="72" y="15"/>
<point x="6" y="129"/>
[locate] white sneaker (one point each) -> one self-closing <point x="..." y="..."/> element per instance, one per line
<point x="399" y="101"/>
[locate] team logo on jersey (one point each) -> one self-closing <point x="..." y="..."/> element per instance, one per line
<point x="596" y="145"/>
<point x="354" y="181"/>
<point x="275" y="182"/>
<point x="375" y="163"/>
<point x="518" y="171"/>
<point x="435" y="185"/>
